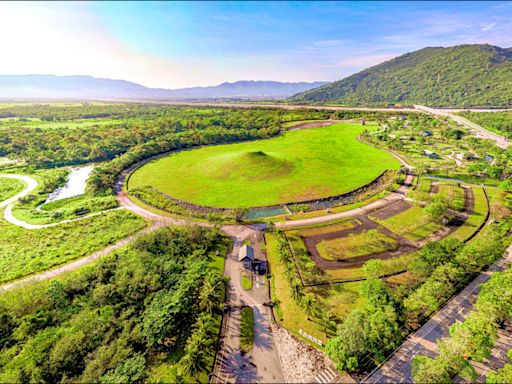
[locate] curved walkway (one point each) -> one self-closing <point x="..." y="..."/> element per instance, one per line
<point x="31" y="185"/>
<point x="399" y="194"/>
<point x="9" y="216"/>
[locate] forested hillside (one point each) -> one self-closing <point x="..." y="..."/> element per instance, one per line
<point x="461" y="76"/>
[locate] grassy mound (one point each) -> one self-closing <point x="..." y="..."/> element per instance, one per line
<point x="299" y="165"/>
<point x="246" y="165"/>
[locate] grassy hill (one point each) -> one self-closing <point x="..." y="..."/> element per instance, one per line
<point x="461" y="76"/>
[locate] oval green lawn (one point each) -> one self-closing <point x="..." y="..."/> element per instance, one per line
<point x="299" y="165"/>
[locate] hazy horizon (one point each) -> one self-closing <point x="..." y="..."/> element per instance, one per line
<point x="179" y="44"/>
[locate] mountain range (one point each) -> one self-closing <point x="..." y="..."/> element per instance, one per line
<point x="461" y="76"/>
<point x="88" y="87"/>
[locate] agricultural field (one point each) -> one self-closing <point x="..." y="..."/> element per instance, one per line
<point x="9" y="187"/>
<point x="299" y="165"/>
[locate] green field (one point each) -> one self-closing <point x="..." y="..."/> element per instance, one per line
<point x="24" y="252"/>
<point x="298" y="165"/>
<point x="356" y="245"/>
<point x="10" y="187"/>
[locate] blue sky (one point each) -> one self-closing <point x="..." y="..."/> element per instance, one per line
<point x="176" y="44"/>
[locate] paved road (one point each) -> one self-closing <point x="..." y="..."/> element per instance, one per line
<point x="477" y="130"/>
<point x="423" y="342"/>
<point x="262" y="363"/>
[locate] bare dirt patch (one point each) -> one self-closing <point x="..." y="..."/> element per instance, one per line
<point x="312" y="124"/>
<point x="392" y="210"/>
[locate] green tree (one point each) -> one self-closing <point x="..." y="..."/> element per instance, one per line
<point x="307" y="304"/>
<point x="430" y="371"/>
<point x="373" y="268"/>
<point x="132" y="370"/>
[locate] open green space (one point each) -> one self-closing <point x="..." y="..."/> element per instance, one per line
<point x="298" y="165"/>
<point x="327" y="227"/>
<point x="24" y="252"/>
<point x="10" y="187"/>
<point x="353" y="245"/>
<point x="410" y="223"/>
<point x="476" y="219"/>
<point x="246" y="328"/>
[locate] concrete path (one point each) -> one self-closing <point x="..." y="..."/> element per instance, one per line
<point x="76" y="264"/>
<point x="9" y="217"/>
<point x="423" y="342"/>
<point x="31" y="185"/>
<point x="262" y="363"/>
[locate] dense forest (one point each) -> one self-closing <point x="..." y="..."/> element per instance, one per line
<point x="460" y="76"/>
<point x="151" y="311"/>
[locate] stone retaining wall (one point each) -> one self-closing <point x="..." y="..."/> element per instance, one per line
<point x="314" y="204"/>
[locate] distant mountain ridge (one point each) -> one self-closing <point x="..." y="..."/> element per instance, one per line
<point x="478" y="75"/>
<point x="88" y="87"/>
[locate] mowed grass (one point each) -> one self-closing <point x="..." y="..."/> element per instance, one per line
<point x="10" y="187"/>
<point x="354" y="245"/>
<point x="246" y="329"/>
<point x="299" y="165"/>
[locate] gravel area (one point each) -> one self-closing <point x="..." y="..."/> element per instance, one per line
<point x="300" y="361"/>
